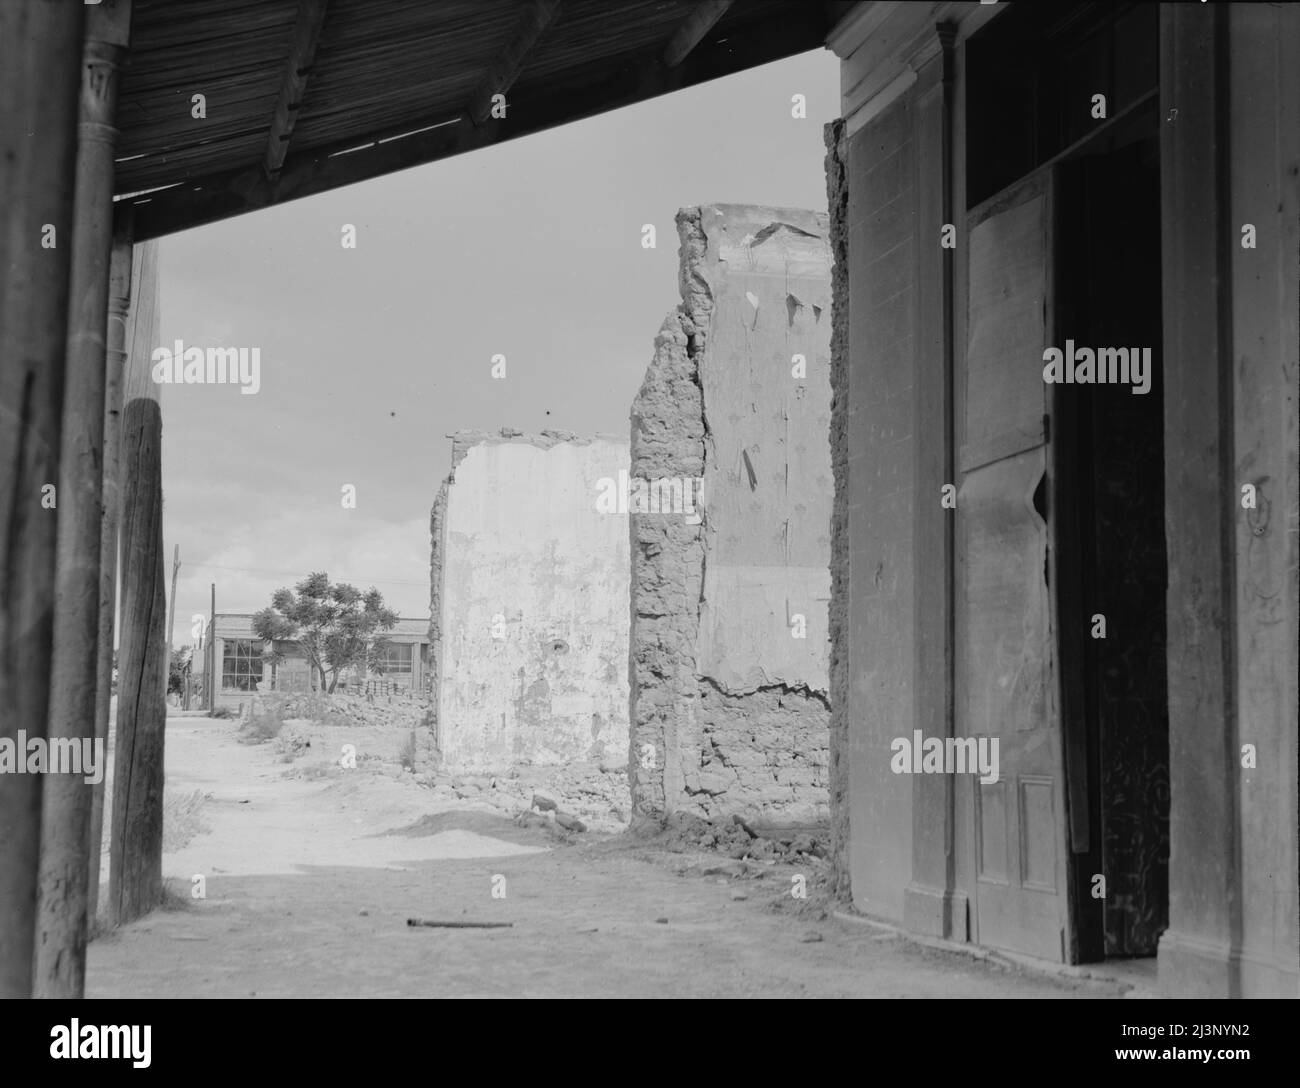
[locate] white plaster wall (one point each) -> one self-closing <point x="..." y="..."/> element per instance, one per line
<point x="530" y="558"/>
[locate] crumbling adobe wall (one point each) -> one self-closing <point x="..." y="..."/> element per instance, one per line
<point x="530" y="588"/>
<point x="667" y="554"/>
<point x="437" y="520"/>
<point x="837" y="202"/>
<point x="729" y="709"/>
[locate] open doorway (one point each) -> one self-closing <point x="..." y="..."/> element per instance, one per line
<point x="1109" y="453"/>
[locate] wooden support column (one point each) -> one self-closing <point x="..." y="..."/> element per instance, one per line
<point x="135" y="857"/>
<point x="1197" y="954"/>
<point x="40" y="63"/>
<point x="67" y="797"/>
<point x="119" y="316"/>
<point x="930" y="904"/>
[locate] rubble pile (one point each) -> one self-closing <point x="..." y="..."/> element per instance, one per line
<point x="346" y="708"/>
<point x="737" y="838"/>
<point x="575" y="797"/>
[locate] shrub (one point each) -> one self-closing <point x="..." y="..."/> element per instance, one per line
<point x="264" y="722"/>
<point x="223" y="712"/>
<point x="406" y="752"/>
<point x="320" y="708"/>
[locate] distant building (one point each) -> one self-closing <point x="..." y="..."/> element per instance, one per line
<point x="239" y="661"/>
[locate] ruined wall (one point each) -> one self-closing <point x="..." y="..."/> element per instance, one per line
<point x="837" y="199"/>
<point x="530" y="620"/>
<point x="437" y="523"/>
<point x="729" y="652"/>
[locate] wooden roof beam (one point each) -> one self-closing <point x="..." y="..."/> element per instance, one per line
<point x="692" y="30"/>
<point x="302" y="51"/>
<point x="501" y="76"/>
<point x="620" y="81"/>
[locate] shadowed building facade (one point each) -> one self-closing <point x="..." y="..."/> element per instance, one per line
<point x="1101" y="576"/>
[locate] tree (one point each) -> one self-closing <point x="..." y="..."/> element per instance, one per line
<point x="336" y="625"/>
<point x="178" y="670"/>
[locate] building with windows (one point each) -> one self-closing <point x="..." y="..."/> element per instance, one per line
<point x="241" y="664"/>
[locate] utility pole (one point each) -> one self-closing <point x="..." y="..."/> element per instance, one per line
<point x="171" y="613"/>
<point x="171" y="607"/>
<point x="211" y="686"/>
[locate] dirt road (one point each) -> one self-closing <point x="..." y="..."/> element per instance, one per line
<point x="310" y="872"/>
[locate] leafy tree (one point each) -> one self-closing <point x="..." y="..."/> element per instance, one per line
<point x="178" y="669"/>
<point x="336" y="625"/>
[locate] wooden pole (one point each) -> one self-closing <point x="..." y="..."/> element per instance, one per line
<point x="61" y="922"/>
<point x="135" y="853"/>
<point x="213" y="678"/>
<point x="202" y="652"/>
<point x="40" y="64"/>
<point x="120" y="328"/>
<point x="171" y="615"/>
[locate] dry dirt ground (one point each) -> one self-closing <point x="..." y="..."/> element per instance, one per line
<point x="311" y="870"/>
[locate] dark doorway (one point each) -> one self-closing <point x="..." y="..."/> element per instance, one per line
<point x="1109" y="452"/>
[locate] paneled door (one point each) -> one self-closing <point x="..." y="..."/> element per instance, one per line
<point x="1006" y="657"/>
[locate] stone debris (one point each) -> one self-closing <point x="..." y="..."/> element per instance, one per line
<point x="572" y="797"/>
<point x="739" y="839"/>
<point x="344" y="708"/>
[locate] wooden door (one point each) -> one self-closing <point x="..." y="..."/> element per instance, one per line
<point x="1007" y="679"/>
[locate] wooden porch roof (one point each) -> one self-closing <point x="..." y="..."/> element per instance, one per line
<point x="302" y="96"/>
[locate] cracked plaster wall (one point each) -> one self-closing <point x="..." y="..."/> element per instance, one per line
<point x="529" y="619"/>
<point x="729" y="702"/>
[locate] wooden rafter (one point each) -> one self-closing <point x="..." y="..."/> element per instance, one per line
<point x="693" y="29"/>
<point x="297" y="70"/>
<point x="500" y="77"/>
<point x="617" y="82"/>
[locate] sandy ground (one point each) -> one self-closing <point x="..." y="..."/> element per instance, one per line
<point x="312" y="870"/>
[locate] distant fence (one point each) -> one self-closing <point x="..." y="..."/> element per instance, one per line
<point x="385" y="689"/>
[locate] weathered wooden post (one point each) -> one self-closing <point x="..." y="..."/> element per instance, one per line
<point x="40" y="63"/>
<point x="171" y="610"/>
<point x="211" y="662"/>
<point x="135" y="854"/>
<point x="61" y="923"/>
<point x="120" y="320"/>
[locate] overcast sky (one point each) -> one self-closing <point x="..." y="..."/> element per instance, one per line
<point x="371" y="356"/>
